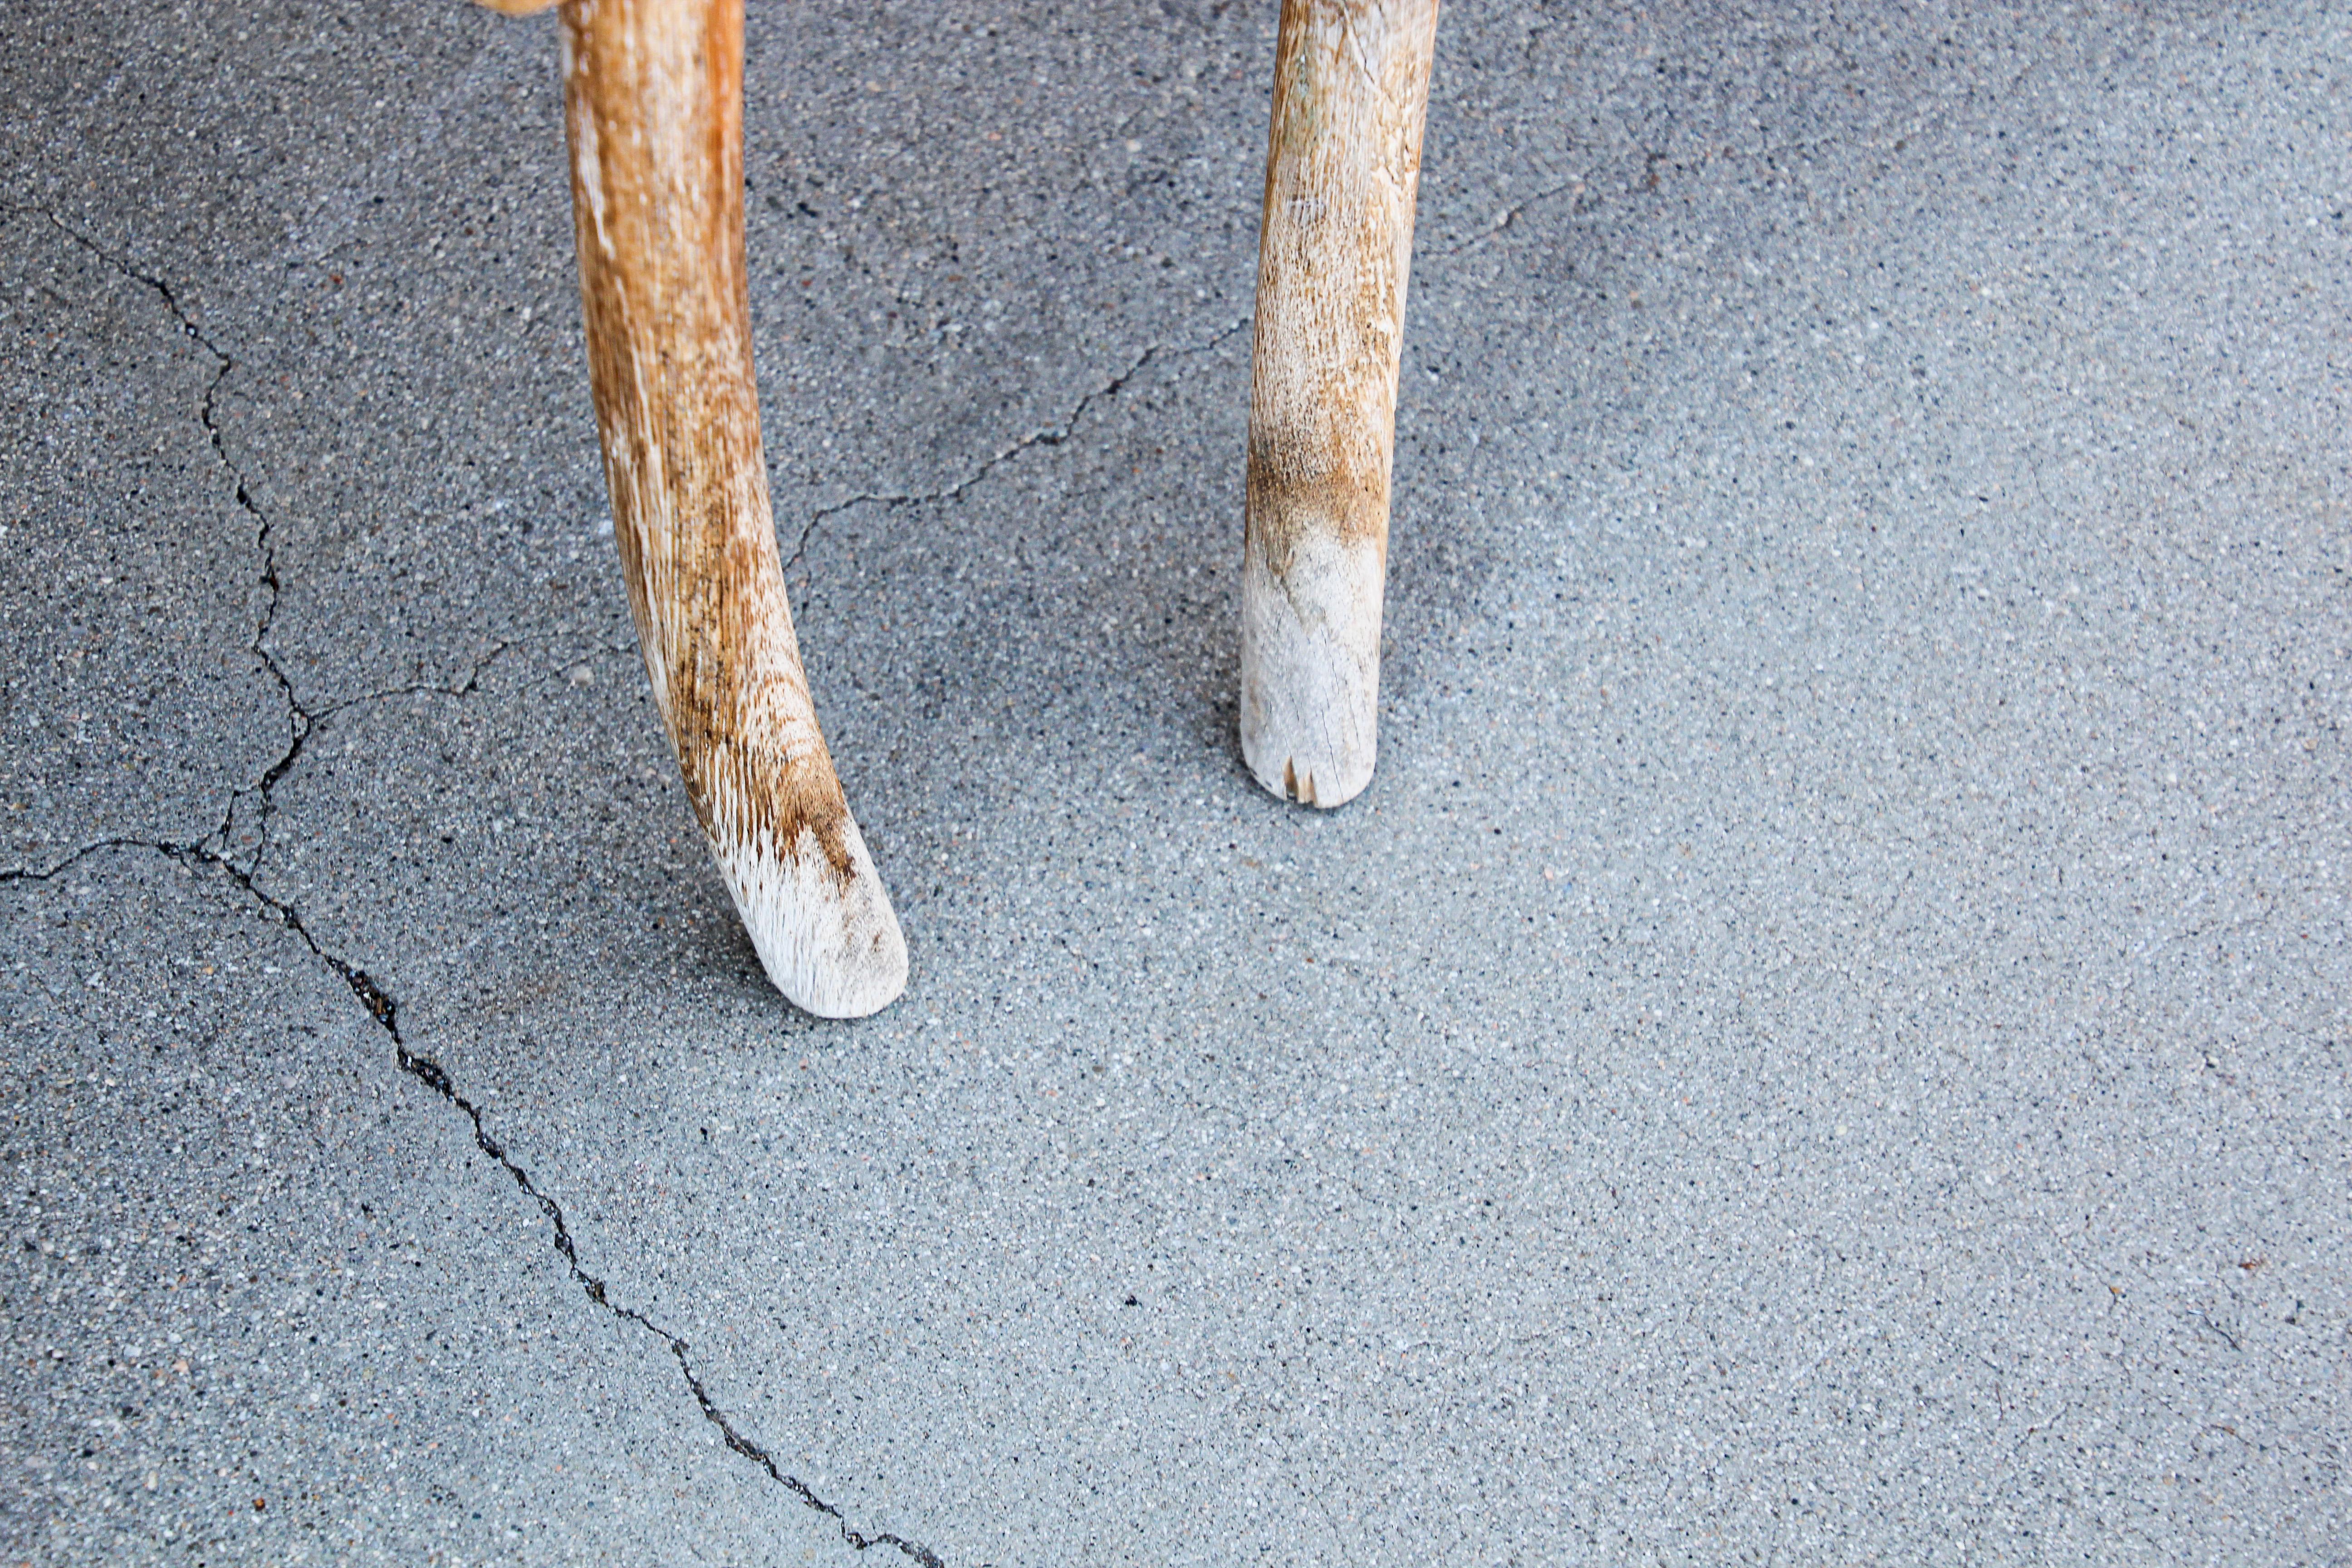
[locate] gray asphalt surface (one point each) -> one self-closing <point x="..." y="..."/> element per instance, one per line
<point x="1826" y="1040"/>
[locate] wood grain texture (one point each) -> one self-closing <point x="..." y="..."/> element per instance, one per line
<point x="1343" y="162"/>
<point x="653" y="101"/>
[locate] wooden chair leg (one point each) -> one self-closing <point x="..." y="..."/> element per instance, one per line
<point x="1351" y="88"/>
<point x="653" y="104"/>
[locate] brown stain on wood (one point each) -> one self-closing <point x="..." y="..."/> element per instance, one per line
<point x="653" y="104"/>
<point x="1343" y="161"/>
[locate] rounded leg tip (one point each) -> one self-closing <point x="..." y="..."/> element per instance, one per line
<point x="826" y="935"/>
<point x="849" y="984"/>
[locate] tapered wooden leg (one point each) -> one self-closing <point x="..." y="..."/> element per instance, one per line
<point x="1351" y="86"/>
<point x="654" y="105"/>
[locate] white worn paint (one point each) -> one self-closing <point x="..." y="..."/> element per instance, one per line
<point x="831" y="946"/>
<point x="1311" y="669"/>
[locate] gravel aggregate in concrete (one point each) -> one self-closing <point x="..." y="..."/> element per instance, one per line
<point x="1825" y="1040"/>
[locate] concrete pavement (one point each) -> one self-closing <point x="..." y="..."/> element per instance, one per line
<point x="1826" y="1039"/>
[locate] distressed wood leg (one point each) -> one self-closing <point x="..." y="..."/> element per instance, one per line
<point x="1351" y="86"/>
<point x="653" y="94"/>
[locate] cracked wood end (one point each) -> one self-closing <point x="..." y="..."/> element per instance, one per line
<point x="1351" y="87"/>
<point x="654" y="103"/>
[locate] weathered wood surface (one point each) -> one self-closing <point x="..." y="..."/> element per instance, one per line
<point x="653" y="98"/>
<point x="653" y="106"/>
<point x="1351" y="89"/>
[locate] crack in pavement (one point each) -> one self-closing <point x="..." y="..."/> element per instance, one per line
<point x="212" y="850"/>
<point x="431" y="1074"/>
<point x="466" y="687"/>
<point x="300" y="720"/>
<point x="1510" y="214"/>
<point x="380" y="1007"/>
<point x="1047" y="436"/>
<point x="203" y="847"/>
<point x="1585" y="196"/>
<point x="472" y="683"/>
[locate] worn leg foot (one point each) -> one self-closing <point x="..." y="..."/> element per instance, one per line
<point x="1351" y="83"/>
<point x="653" y="104"/>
